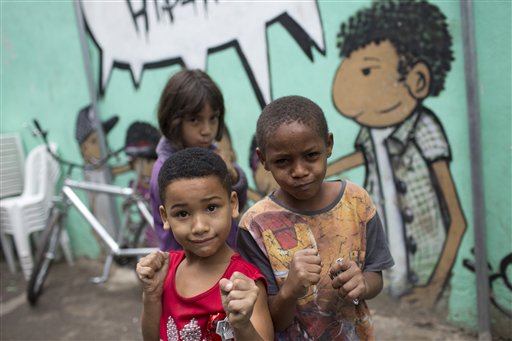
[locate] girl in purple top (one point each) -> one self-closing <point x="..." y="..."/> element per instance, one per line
<point x="190" y="114"/>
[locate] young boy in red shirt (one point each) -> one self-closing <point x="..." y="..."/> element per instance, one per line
<point x="187" y="291"/>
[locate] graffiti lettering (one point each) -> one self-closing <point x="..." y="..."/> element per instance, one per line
<point x="493" y="277"/>
<point x="140" y="13"/>
<point x="139" y="34"/>
<point x="165" y="8"/>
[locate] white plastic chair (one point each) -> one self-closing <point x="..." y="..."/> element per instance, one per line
<point x="25" y="214"/>
<point x="12" y="160"/>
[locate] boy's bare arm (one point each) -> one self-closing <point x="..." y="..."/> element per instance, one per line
<point x="282" y="310"/>
<point x="245" y="304"/>
<point x="304" y="272"/>
<point x="152" y="270"/>
<point x="150" y="321"/>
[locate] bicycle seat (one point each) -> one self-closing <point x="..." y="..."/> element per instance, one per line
<point x="141" y="140"/>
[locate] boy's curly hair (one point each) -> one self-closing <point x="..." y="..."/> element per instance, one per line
<point x="289" y="109"/>
<point x="193" y="163"/>
<point x="417" y="30"/>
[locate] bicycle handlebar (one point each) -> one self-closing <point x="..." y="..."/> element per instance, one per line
<point x="39" y="129"/>
<point x="71" y="164"/>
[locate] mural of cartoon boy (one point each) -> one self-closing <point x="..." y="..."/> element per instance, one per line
<point x="94" y="170"/>
<point x="140" y="147"/>
<point x="396" y="54"/>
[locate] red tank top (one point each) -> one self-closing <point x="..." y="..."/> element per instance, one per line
<point x="186" y="318"/>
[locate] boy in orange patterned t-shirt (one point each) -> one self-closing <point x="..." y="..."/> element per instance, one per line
<point x="320" y="244"/>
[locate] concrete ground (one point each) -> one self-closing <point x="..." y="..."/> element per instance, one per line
<point x="72" y="308"/>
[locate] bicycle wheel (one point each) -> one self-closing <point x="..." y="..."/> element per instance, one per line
<point x="131" y="232"/>
<point x="45" y="255"/>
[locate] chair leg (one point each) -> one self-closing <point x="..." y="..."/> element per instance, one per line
<point x="8" y="252"/>
<point x="24" y="255"/>
<point x="22" y="243"/>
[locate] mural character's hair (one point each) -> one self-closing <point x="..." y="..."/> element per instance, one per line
<point x="286" y="110"/>
<point x="192" y="163"/>
<point x="141" y="140"/>
<point x="186" y="93"/>
<point x="417" y="30"/>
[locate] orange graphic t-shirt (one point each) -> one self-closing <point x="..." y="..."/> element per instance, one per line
<point x="270" y="234"/>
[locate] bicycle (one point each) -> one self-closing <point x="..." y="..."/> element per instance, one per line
<point x="119" y="247"/>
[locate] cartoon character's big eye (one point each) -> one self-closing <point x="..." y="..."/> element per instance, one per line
<point x="366" y="71"/>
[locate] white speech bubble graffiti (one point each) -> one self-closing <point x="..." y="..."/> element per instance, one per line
<point x="148" y="33"/>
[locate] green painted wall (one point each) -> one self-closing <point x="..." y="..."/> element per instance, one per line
<point x="42" y="76"/>
<point x="494" y="56"/>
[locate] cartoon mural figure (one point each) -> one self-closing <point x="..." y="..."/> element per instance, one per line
<point x="94" y="167"/>
<point x="395" y="55"/>
<point x="140" y="147"/>
<point x="263" y="179"/>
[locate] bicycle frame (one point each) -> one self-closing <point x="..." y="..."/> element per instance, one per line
<point x="113" y="241"/>
<point x="114" y="248"/>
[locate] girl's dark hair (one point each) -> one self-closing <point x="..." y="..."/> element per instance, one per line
<point x="187" y="92"/>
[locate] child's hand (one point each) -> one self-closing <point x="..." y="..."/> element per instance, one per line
<point x="304" y="272"/>
<point x="151" y="271"/>
<point x="239" y="295"/>
<point x="348" y="278"/>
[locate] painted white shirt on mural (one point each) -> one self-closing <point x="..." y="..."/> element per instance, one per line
<point x="391" y="216"/>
